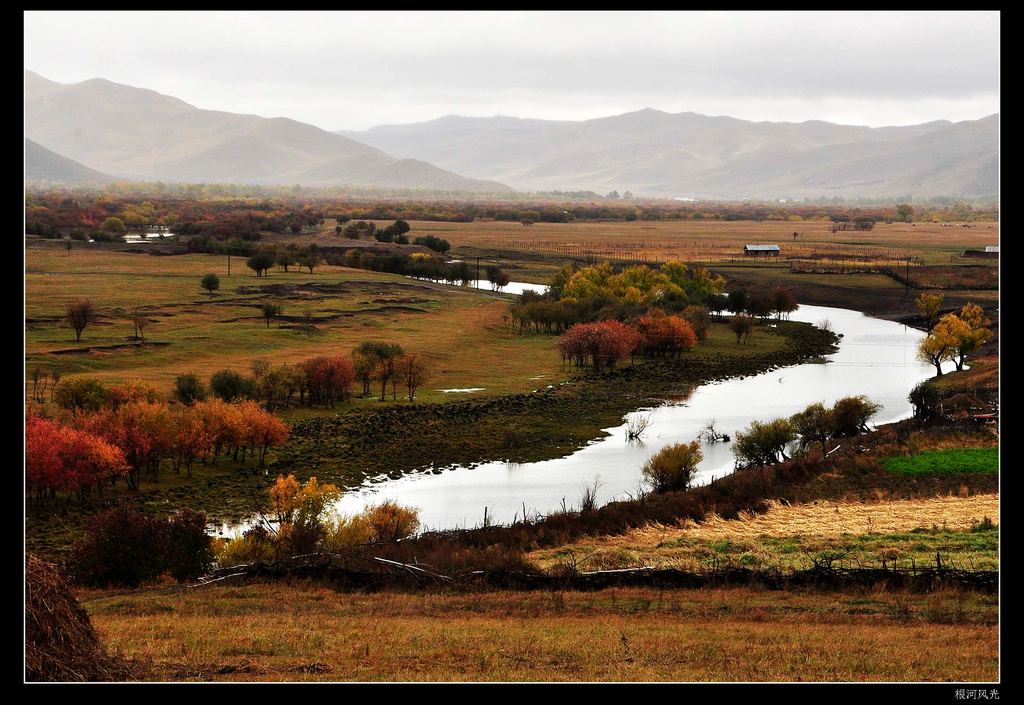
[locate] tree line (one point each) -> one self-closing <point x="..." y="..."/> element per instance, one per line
<point x="222" y="213"/>
<point x="132" y="434"/>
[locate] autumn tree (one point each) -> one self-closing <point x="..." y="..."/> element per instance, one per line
<point x="81" y="394"/>
<point x="604" y="343"/>
<point x="673" y="467"/>
<point x="130" y="391"/>
<point x="301" y="511"/>
<point x="140" y="321"/>
<point x="928" y="305"/>
<point x="764" y="442"/>
<point x="415" y="370"/>
<point x="760" y="306"/>
<point x="113" y="225"/>
<point x="783" y="302"/>
<point x="813" y="424"/>
<point x="269" y="310"/>
<point x="850" y="415"/>
<point x="742" y="325"/>
<point x="390" y="521"/>
<point x="973" y="334"/>
<point x="665" y="335"/>
<point x="210" y="282"/>
<point x="80" y="314"/>
<point x="262" y="429"/>
<point x="941" y="344"/>
<point x="276" y="384"/>
<point x="327" y="379"/>
<point x="699" y="319"/>
<point x="61" y="458"/>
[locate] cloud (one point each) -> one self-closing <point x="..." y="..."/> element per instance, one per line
<point x="358" y="69"/>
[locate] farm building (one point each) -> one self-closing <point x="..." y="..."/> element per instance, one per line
<point x="992" y="248"/>
<point x="761" y="250"/>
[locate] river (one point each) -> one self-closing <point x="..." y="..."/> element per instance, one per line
<point x="876" y="358"/>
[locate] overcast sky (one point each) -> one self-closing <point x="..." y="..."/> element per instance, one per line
<point x="355" y="70"/>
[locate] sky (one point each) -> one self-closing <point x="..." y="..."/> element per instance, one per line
<point x="341" y="70"/>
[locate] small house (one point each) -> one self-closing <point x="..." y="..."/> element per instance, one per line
<point x="761" y="250"/>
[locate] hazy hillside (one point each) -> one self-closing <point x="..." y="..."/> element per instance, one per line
<point x="651" y="152"/>
<point x="43" y="165"/>
<point x="141" y="134"/>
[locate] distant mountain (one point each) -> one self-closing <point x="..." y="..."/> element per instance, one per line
<point x="650" y="152"/>
<point x="141" y="134"/>
<point x="43" y="165"/>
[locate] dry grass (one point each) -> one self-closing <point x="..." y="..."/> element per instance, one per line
<point x="900" y="532"/>
<point x="829" y="518"/>
<point x="716" y="241"/>
<point x="60" y="642"/>
<point x="306" y="631"/>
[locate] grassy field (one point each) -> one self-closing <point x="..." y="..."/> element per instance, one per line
<point x="715" y="241"/>
<point x="306" y="631"/>
<point x="460" y="330"/>
<point x="794" y="537"/>
<point x="950" y="461"/>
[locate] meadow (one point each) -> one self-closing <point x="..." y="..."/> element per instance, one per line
<point x="460" y="330"/>
<point x="308" y="631"/>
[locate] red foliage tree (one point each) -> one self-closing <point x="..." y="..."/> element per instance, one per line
<point x="665" y="335"/>
<point x="328" y="379"/>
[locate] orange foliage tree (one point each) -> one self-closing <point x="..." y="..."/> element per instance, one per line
<point x="665" y="335"/>
<point x="327" y="379"/>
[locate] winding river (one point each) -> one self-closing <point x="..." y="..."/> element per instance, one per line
<point x="876" y="358"/>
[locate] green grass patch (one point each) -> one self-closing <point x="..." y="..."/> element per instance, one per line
<point x="953" y="461"/>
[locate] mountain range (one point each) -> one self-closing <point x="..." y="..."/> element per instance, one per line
<point x="98" y="130"/>
<point x="43" y="165"/>
<point x="688" y="155"/>
<point x="135" y="133"/>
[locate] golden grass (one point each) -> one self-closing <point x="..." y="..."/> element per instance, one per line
<point x="835" y="518"/>
<point x="792" y="536"/>
<point x="306" y="631"/>
<point x="716" y="241"/>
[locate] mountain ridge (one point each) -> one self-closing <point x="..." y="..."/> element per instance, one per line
<point x="141" y="134"/>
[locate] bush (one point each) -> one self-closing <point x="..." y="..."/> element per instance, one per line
<point x="850" y="415"/>
<point x="229" y="385"/>
<point x="120" y="547"/>
<point x="673" y="467"/>
<point x="81" y="394"/>
<point x="188" y="548"/>
<point x="434" y="243"/>
<point x="189" y="389"/>
<point x="764" y="443"/>
<point x="389" y="521"/>
<point x="253" y="546"/>
<point x="125" y="547"/>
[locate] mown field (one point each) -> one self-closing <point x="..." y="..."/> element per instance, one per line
<point x="900" y="533"/>
<point x="307" y="631"/>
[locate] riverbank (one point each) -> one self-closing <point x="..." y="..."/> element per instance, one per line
<point x="350" y="448"/>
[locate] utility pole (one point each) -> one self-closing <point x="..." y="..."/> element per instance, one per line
<point x="229" y="263"/>
<point x="478" y="272"/>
